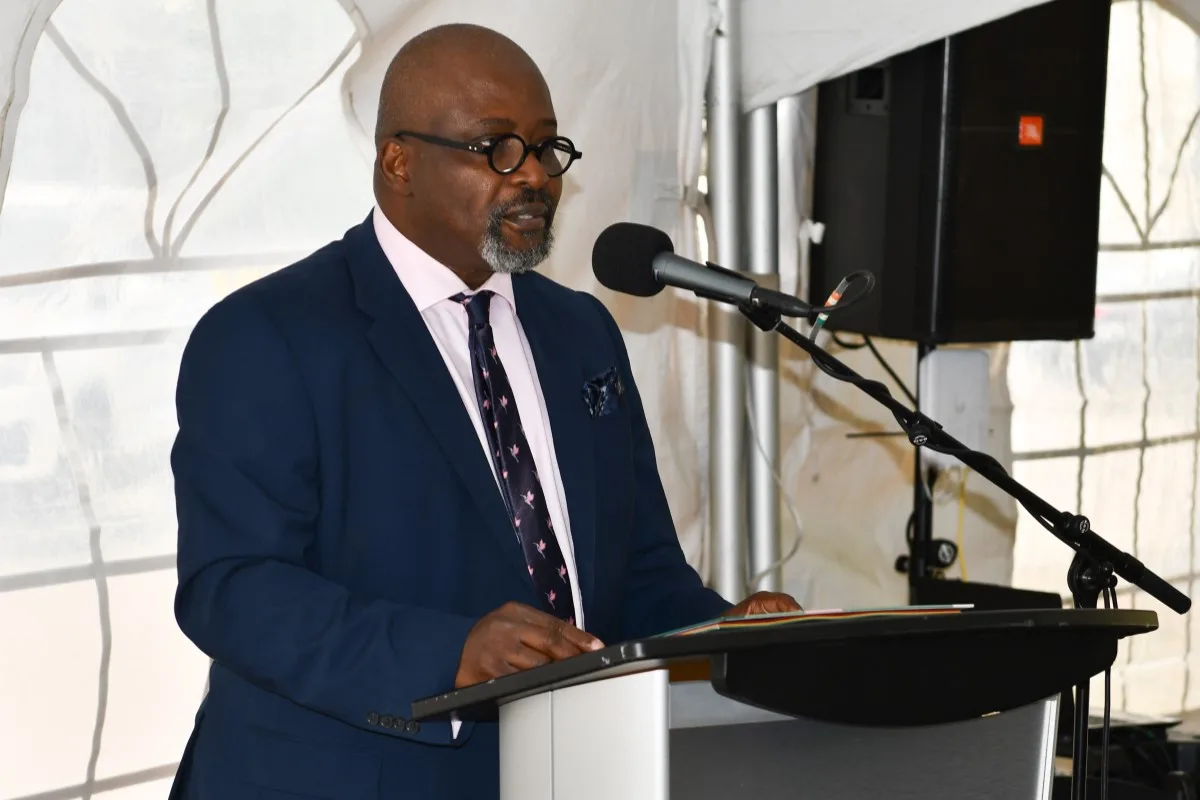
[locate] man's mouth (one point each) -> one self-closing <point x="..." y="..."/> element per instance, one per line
<point x="528" y="218"/>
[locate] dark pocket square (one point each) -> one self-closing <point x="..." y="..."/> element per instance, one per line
<point x="603" y="393"/>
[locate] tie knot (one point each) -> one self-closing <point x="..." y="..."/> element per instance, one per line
<point x="478" y="305"/>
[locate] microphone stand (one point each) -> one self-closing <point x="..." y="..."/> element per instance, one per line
<point x="1096" y="564"/>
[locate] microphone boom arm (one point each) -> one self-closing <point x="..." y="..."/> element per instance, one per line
<point x="1096" y="560"/>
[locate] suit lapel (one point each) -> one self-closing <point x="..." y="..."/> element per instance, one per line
<point x="560" y="374"/>
<point x="404" y="345"/>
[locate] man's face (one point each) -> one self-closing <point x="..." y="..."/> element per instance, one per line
<point x="502" y="221"/>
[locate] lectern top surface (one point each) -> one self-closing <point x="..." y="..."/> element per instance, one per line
<point x="808" y="617"/>
<point x="847" y="648"/>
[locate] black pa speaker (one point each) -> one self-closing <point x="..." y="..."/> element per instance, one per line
<point x="965" y="175"/>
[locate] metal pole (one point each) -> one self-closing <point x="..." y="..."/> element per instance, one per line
<point x="727" y="328"/>
<point x="763" y="450"/>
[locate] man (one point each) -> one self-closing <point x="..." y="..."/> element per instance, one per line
<point x="408" y="463"/>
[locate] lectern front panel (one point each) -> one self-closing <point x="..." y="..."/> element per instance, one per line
<point x="593" y="741"/>
<point x="527" y="748"/>
<point x="721" y="750"/>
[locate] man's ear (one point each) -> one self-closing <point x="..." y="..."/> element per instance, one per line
<point x="394" y="162"/>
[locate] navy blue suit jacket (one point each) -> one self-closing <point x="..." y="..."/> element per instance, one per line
<point x="340" y="530"/>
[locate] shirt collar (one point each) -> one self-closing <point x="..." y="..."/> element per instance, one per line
<point x="426" y="279"/>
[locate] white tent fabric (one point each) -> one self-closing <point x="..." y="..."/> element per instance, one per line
<point x="21" y="24"/>
<point x="151" y="173"/>
<point x="156" y="154"/>
<point x="1111" y="425"/>
<point x="1186" y="11"/>
<point x="789" y="48"/>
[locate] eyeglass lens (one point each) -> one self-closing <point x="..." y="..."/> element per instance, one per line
<point x="555" y="155"/>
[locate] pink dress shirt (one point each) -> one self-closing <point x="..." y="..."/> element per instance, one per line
<point x="431" y="285"/>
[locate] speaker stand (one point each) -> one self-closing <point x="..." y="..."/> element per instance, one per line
<point x="921" y="539"/>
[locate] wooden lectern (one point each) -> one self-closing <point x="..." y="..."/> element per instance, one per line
<point x="928" y="706"/>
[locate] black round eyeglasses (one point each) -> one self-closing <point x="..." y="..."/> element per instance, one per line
<point x="506" y="152"/>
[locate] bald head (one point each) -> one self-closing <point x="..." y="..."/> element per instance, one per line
<point x="468" y="155"/>
<point x="427" y="73"/>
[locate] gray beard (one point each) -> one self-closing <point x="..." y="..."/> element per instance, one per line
<point x="504" y="259"/>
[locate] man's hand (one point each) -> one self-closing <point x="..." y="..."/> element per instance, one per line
<point x="515" y="637"/>
<point x="764" y="603"/>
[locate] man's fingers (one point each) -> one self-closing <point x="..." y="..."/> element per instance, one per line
<point x="781" y="602"/>
<point x="550" y="640"/>
<point x="581" y="639"/>
<point x="764" y="603"/>
<point x="518" y="637"/>
<point x="548" y="634"/>
<point x="514" y="659"/>
<point x="521" y="657"/>
<point x="559" y="640"/>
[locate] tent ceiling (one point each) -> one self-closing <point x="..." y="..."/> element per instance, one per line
<point x="786" y="48"/>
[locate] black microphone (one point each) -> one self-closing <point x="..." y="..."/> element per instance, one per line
<point x="640" y="260"/>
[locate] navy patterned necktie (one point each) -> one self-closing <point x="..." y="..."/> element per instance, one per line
<point x="520" y="487"/>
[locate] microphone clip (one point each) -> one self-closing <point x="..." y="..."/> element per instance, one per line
<point x="763" y="317"/>
<point x="765" y="307"/>
<point x="718" y="297"/>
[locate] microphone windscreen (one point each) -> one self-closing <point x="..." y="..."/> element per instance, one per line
<point x="623" y="258"/>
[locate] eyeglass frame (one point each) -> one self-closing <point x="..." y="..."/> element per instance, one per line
<point x="490" y="148"/>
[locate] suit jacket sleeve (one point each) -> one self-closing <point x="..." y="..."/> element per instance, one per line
<point x="247" y="493"/>
<point x="663" y="591"/>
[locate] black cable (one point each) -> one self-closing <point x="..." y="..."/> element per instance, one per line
<point x="912" y="398"/>
<point x="838" y="302"/>
<point x="866" y="342"/>
<point x="848" y="345"/>
<point x="906" y="418"/>
<point x="910" y="421"/>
